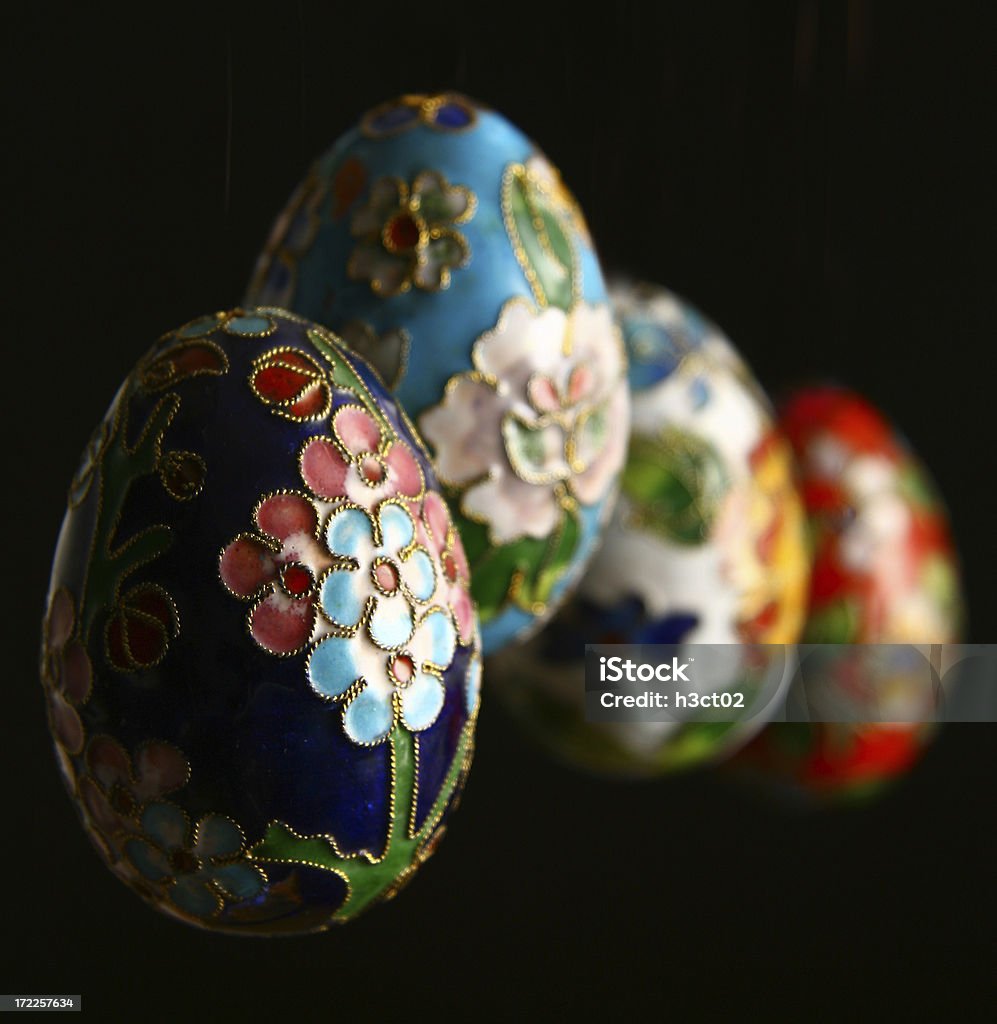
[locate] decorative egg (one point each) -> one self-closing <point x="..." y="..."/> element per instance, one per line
<point x="884" y="572"/>
<point x="260" y="658"/>
<point x="706" y="544"/>
<point x="440" y="243"/>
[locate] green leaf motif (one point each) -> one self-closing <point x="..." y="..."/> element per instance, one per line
<point x="676" y="483"/>
<point x="540" y="238"/>
<point x="344" y="376"/>
<point x="112" y="561"/>
<point x="524" y="572"/>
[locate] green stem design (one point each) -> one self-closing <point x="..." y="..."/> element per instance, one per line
<point x="368" y="877"/>
<point x="119" y="468"/>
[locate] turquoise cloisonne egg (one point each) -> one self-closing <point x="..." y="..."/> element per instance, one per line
<point x="442" y="245"/>
<point x="260" y="661"/>
<point x="706" y="545"/>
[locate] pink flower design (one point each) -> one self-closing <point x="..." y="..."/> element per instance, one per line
<point x="360" y="464"/>
<point x="437" y="532"/>
<point x="66" y="671"/>
<point x="541" y="419"/>
<point x="278" y="568"/>
<point x="114" y="790"/>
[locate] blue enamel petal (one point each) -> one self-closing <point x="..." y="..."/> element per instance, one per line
<point x="397" y="530"/>
<point x="391" y="623"/>
<point x="217" y="837"/>
<point x="149" y="861"/>
<point x="165" y="824"/>
<point x="419" y="576"/>
<point x="332" y="667"/>
<point x="442" y="638"/>
<point x="422" y="701"/>
<point x="242" y="881"/>
<point x="342" y="598"/>
<point x="452" y="115"/>
<point x="349" y="530"/>
<point x="249" y="325"/>
<point x="368" y="718"/>
<point x="193" y="896"/>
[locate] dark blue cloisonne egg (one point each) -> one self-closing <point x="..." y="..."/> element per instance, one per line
<point x="261" y="662"/>
<point x="440" y="243"/>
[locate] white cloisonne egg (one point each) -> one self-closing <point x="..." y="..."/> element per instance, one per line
<point x="442" y="245"/>
<point x="706" y="544"/>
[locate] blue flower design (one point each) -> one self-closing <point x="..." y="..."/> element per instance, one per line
<point x="388" y="666"/>
<point x="381" y="572"/>
<point x="201" y="869"/>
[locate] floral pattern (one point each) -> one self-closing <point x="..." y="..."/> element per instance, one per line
<point x="279" y="566"/>
<point x="406" y="234"/>
<point x="162" y="827"/>
<point x="292" y="384"/>
<point x="540" y="421"/>
<point x="884" y="565"/>
<point x="199" y="869"/>
<point x="377" y="687"/>
<point x="439" y="534"/>
<point x="390" y="563"/>
<point x="66" y="671"/>
<point x="386" y="651"/>
<point x="366" y="568"/>
<point x="114" y="790"/>
<point x="361" y="463"/>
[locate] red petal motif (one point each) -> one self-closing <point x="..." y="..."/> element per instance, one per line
<point x="403" y="470"/>
<point x="357" y="430"/>
<point x="324" y="469"/>
<point x="283" y="515"/>
<point x="293" y="383"/>
<point x="281" y="625"/>
<point x="246" y="565"/>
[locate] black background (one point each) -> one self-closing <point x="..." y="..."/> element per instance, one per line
<point x="817" y="178"/>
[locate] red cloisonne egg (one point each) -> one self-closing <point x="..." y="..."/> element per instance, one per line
<point x="884" y="572"/>
<point x="261" y="669"/>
